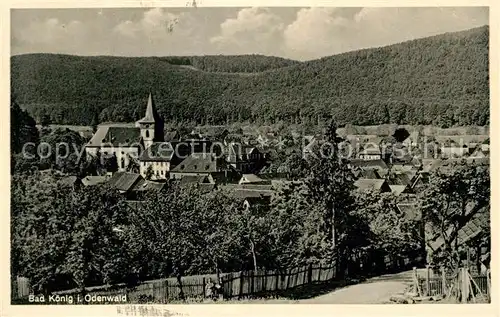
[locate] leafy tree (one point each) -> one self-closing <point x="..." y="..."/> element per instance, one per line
<point x="22" y="129"/>
<point x="64" y="238"/>
<point x="61" y="150"/>
<point x="330" y="185"/>
<point x="390" y="230"/>
<point x="297" y="236"/>
<point x="252" y="226"/>
<point x="133" y="165"/>
<point x="449" y="200"/>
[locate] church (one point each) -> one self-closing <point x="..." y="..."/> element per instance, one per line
<point x="142" y="143"/>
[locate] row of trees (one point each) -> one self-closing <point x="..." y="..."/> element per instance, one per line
<point x="448" y="86"/>
<point x="65" y="237"/>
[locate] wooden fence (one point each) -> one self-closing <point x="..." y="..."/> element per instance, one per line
<point x="241" y="284"/>
<point x="249" y="283"/>
<point x="448" y="284"/>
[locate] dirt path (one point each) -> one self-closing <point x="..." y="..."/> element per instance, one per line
<point x="376" y="290"/>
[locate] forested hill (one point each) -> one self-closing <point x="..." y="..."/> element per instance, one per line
<point x="230" y="63"/>
<point x="440" y="80"/>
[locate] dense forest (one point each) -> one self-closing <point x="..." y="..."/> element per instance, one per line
<point x="441" y="80"/>
<point x="230" y="63"/>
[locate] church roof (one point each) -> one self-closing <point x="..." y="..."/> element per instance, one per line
<point x="151" y="115"/>
<point x="114" y="136"/>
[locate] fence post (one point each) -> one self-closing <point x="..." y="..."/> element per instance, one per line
<point x="309" y="273"/>
<point x="488" y="283"/>
<point x="464" y="285"/>
<point x="204" y="286"/>
<point x="241" y="284"/>
<point x="264" y="282"/>
<point x="277" y="275"/>
<point x="443" y="279"/>
<point x="428" y="281"/>
<point x="287" y="278"/>
<point x="252" y="282"/>
<point x="166" y="291"/>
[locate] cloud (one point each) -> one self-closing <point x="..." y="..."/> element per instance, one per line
<point x="155" y="23"/>
<point x="319" y="32"/>
<point x="253" y="30"/>
<point x="311" y="33"/>
<point x="50" y="31"/>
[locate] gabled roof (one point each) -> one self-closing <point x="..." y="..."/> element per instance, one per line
<point x="370" y="184"/>
<point x="477" y="223"/>
<point x="194" y="179"/>
<point x="171" y="136"/>
<point x="368" y="164"/>
<point x="124" y="181"/>
<point x="94" y="180"/>
<point x="115" y="136"/>
<point x="213" y="132"/>
<point x="199" y="163"/>
<point x="400" y="179"/>
<point x="251" y="178"/>
<point x="448" y="164"/>
<point x="146" y="185"/>
<point x="398" y="189"/>
<point x="370" y="174"/>
<point x="158" y="152"/>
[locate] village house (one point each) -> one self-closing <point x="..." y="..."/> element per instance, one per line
<point x="377" y="185"/>
<point x="412" y="140"/>
<point x="155" y="161"/>
<point x="252" y="179"/>
<point x="453" y="149"/>
<point x="244" y="158"/>
<point x="94" y="180"/>
<point x="378" y="165"/>
<point x="371" y="153"/>
<point x="204" y="164"/>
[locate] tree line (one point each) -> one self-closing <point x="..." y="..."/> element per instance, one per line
<point x="441" y="80"/>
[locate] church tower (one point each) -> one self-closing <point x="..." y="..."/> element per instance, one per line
<point x="151" y="125"/>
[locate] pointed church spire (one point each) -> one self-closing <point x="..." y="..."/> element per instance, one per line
<point x="150" y="112"/>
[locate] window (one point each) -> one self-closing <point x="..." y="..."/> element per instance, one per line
<point x="147" y="133"/>
<point x="123" y="163"/>
<point x="195" y="167"/>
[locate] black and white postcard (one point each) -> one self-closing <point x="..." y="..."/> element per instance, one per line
<point x="200" y="155"/>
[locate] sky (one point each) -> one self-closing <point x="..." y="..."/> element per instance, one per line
<point x="296" y="33"/>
